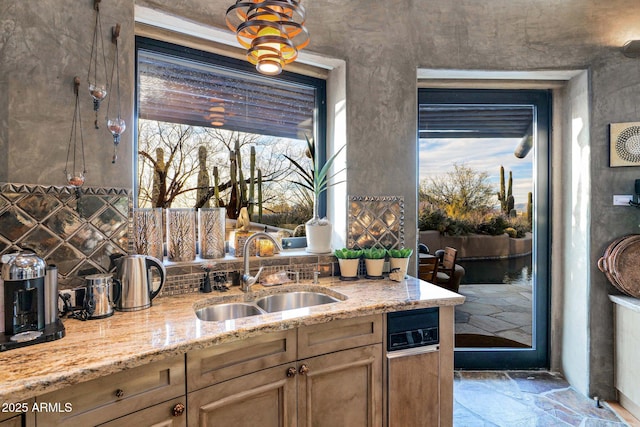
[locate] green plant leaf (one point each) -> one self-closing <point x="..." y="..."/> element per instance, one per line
<point x="400" y="253"/>
<point x="374" y="253"/>
<point x="346" y="253"/>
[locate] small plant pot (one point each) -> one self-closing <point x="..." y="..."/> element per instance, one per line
<point x="401" y="263"/>
<point x="374" y="268"/>
<point x="349" y="268"/>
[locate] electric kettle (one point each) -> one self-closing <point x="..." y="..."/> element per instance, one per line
<point x="134" y="272"/>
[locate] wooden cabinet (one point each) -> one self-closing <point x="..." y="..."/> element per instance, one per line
<point x="337" y="381"/>
<point x="108" y="398"/>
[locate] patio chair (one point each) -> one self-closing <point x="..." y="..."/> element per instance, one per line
<point x="428" y="269"/>
<point x="446" y="270"/>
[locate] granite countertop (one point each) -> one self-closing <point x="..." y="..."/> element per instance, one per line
<point x="99" y="347"/>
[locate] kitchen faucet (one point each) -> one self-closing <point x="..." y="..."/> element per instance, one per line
<point x="247" y="279"/>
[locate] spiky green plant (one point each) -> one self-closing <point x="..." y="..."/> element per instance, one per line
<point x="400" y="253"/>
<point x="317" y="180"/>
<point x="346" y="253"/>
<point x="374" y="253"/>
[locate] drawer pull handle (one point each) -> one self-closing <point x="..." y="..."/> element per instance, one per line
<point x="291" y="372"/>
<point x="178" y="409"/>
<point x="303" y="369"/>
<point x="119" y="393"/>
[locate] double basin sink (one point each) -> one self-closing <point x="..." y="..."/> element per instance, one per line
<point x="287" y="300"/>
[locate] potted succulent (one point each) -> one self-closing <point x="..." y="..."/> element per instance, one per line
<point x="349" y="260"/>
<point x="374" y="262"/>
<point x="318" y="230"/>
<point x="399" y="258"/>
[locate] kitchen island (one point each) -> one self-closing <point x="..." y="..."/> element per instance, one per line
<point x="170" y="329"/>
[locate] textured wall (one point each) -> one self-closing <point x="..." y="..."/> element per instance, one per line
<point x="44" y="44"/>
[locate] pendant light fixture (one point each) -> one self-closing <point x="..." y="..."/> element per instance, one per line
<point x="97" y="74"/>
<point x="115" y="124"/>
<point x="272" y="31"/>
<point x="76" y="175"/>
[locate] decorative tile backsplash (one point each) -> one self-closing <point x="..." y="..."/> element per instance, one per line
<point x="376" y="222"/>
<point x="78" y="229"/>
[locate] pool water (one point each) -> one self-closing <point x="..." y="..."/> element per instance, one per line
<point x="511" y="271"/>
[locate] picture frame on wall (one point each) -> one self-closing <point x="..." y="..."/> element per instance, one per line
<point x="624" y="144"/>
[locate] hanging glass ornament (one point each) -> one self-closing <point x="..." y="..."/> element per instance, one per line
<point x="115" y="124"/>
<point x="76" y="175"/>
<point x="97" y="74"/>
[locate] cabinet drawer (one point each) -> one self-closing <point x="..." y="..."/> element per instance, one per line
<point x="167" y="414"/>
<point x="113" y="396"/>
<point x="338" y="335"/>
<point x="225" y="361"/>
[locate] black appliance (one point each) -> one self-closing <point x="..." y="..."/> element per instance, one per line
<point x="412" y="328"/>
<point x="29" y="301"/>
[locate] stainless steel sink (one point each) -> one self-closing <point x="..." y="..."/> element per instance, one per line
<point x="218" y="312"/>
<point x="291" y="300"/>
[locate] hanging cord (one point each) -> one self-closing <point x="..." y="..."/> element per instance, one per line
<point x="73" y="138"/>
<point x="117" y="125"/>
<point x="115" y="70"/>
<point x="97" y="43"/>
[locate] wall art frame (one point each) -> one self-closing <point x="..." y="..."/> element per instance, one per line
<point x="624" y="144"/>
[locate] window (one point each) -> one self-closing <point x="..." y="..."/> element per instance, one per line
<point x="210" y="125"/>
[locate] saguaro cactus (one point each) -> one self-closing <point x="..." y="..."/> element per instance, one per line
<point x="252" y="171"/>
<point x="239" y="197"/>
<point x="506" y="199"/>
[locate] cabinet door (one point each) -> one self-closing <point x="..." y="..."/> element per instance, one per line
<point x="414" y="387"/>
<point x="341" y="389"/>
<point x="265" y="398"/>
<point x="168" y="414"/>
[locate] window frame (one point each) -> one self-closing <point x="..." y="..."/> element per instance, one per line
<point x="162" y="47"/>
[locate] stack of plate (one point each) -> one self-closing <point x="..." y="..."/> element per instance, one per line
<point x="621" y="264"/>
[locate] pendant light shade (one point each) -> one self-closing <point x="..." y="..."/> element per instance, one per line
<point x="272" y="31"/>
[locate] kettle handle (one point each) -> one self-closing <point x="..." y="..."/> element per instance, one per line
<point x="117" y="291"/>
<point x="155" y="262"/>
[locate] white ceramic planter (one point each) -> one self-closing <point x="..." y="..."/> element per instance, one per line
<point x="374" y="267"/>
<point x="319" y="237"/>
<point x="401" y="263"/>
<point x="349" y="267"/>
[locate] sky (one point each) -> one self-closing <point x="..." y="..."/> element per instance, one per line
<point x="437" y="156"/>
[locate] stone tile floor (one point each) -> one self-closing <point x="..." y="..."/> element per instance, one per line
<point x="502" y="310"/>
<point x="524" y="398"/>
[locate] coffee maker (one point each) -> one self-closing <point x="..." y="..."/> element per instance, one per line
<point x="29" y="290"/>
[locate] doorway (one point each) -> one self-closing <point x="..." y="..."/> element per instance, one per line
<point x="483" y="159"/>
